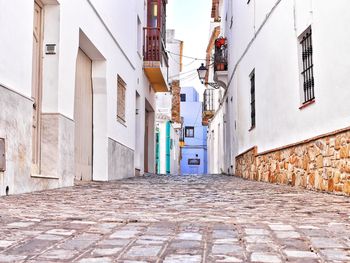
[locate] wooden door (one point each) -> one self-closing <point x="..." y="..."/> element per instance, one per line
<point x="83" y="118"/>
<point x="146" y="142"/>
<point x="36" y="85"/>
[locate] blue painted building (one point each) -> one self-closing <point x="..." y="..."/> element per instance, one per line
<point x="194" y="134"/>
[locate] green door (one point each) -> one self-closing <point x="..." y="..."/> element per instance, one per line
<point x="168" y="146"/>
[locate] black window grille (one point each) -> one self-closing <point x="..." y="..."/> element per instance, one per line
<point x="189" y="131"/>
<point x="308" y="71"/>
<point x="208" y="100"/>
<point x="183" y="97"/>
<point x="252" y="98"/>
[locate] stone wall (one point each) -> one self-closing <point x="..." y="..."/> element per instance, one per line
<point x="320" y="163"/>
<point x="175" y="111"/>
<point x="246" y="164"/>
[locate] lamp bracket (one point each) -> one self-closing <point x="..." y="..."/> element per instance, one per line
<point x="215" y="85"/>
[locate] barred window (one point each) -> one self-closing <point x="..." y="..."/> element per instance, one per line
<point x="183" y="97"/>
<point x="307" y="66"/>
<point x="252" y="99"/>
<point x="121" y="90"/>
<point x="189" y="131"/>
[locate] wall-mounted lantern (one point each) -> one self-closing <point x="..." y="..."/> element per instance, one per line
<point x="202" y="72"/>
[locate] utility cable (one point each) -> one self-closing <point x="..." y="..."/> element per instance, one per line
<point x="190" y="71"/>
<point x="184" y="65"/>
<point x="181" y="55"/>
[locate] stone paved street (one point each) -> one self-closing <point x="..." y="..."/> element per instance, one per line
<point x="175" y="220"/>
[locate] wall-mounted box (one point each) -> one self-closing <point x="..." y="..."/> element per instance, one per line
<point x="50" y="49"/>
<point x="2" y="155"/>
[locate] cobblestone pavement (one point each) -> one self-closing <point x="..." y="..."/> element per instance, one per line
<point x="175" y="220"/>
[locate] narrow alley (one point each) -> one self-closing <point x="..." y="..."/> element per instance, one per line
<point x="175" y="131"/>
<point x="175" y="219"/>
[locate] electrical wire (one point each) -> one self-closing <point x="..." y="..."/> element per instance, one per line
<point x="195" y="122"/>
<point x="186" y="65"/>
<point x="183" y="73"/>
<point x="189" y="79"/>
<point x="189" y="76"/>
<point x="181" y="55"/>
<point x="190" y="71"/>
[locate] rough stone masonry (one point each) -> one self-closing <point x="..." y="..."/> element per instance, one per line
<point x="321" y="163"/>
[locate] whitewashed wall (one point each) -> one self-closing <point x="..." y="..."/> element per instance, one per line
<point x="274" y="55"/>
<point x="16" y="48"/>
<point x="108" y="33"/>
<point x="174" y="47"/>
<point x="264" y="36"/>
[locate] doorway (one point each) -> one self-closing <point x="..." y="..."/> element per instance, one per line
<point x="83" y="118"/>
<point x="37" y="85"/>
<point x="149" y="144"/>
<point x="147" y="113"/>
<point x="138" y="137"/>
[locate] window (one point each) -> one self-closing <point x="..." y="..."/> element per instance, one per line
<point x="189" y="131"/>
<point x="153" y="13"/>
<point x="183" y="97"/>
<point x="121" y="100"/>
<point x="252" y="99"/>
<point x="307" y="72"/>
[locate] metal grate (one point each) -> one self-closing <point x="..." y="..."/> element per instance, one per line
<point x="189" y="131"/>
<point x="252" y="98"/>
<point x="183" y="97"/>
<point x="208" y="100"/>
<point x="221" y="55"/>
<point x="308" y="72"/>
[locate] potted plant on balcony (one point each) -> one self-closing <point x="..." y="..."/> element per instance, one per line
<point x="220" y="59"/>
<point x="221" y="41"/>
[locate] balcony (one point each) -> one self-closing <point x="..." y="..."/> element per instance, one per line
<point x="220" y="55"/>
<point x="208" y="106"/>
<point x="221" y="60"/>
<point x="155" y="59"/>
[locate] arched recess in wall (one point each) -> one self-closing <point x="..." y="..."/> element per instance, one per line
<point x="99" y="88"/>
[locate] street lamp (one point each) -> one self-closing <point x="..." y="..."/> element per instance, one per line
<point x="202" y="73"/>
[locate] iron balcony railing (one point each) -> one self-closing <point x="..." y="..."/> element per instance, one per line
<point x="154" y="46"/>
<point x="208" y="100"/>
<point x="220" y="55"/>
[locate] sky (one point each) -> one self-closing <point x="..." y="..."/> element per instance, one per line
<point x="191" y="21"/>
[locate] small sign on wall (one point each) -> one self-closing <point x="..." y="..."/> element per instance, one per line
<point x="2" y="155"/>
<point x="194" y="161"/>
<point x="50" y="49"/>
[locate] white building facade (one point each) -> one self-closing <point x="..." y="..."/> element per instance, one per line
<point x="77" y="91"/>
<point x="287" y="91"/>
